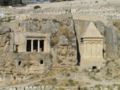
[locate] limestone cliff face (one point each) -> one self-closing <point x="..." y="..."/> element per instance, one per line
<point x="5" y="39"/>
<point x="62" y="32"/>
<point x="111" y="39"/>
<point x="59" y="28"/>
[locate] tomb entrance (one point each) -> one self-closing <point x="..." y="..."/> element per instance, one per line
<point x="31" y="42"/>
<point x="35" y="45"/>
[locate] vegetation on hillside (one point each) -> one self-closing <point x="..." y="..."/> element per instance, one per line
<point x="59" y="0"/>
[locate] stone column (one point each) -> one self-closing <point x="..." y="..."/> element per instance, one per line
<point x="46" y="45"/>
<point x="94" y="50"/>
<point x="91" y="50"/>
<point x="84" y="53"/>
<point x="97" y="50"/>
<point x="31" y="45"/>
<point x="88" y="51"/>
<point x="38" y="45"/>
<point x="82" y="50"/>
<point x="100" y="51"/>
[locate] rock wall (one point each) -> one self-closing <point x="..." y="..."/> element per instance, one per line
<point x="65" y="28"/>
<point x="65" y="35"/>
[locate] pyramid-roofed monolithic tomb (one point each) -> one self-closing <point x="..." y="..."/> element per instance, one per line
<point x="69" y="45"/>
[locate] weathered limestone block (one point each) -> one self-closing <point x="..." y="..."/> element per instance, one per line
<point x="91" y="47"/>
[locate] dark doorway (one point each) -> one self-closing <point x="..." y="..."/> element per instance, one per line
<point x="35" y="45"/>
<point x="28" y="46"/>
<point x="41" y="61"/>
<point x="19" y="63"/>
<point x="42" y="45"/>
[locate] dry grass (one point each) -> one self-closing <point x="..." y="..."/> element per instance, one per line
<point x="68" y="82"/>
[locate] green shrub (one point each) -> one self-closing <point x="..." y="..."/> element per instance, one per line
<point x="37" y="7"/>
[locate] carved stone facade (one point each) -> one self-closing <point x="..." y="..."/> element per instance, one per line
<point x="37" y="48"/>
<point x="35" y="42"/>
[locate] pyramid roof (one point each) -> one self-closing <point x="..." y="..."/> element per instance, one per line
<point x="92" y="31"/>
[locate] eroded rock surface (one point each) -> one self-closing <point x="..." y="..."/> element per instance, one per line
<point x="59" y="69"/>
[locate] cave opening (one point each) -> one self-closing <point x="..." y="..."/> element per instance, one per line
<point x="41" y="61"/>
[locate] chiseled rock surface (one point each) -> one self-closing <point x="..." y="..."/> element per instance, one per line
<point x="22" y="71"/>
